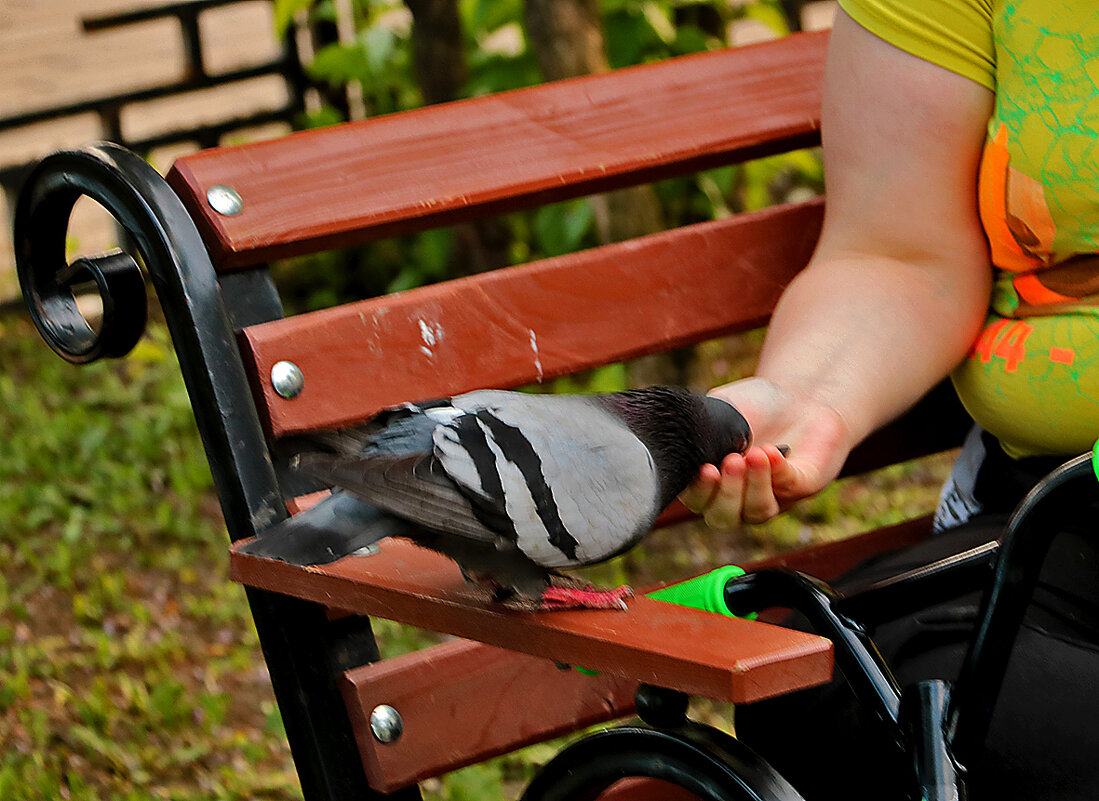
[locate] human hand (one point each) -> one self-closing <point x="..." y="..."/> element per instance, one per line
<point x="755" y="486"/>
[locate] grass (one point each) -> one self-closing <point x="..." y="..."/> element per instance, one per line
<point x="129" y="666"/>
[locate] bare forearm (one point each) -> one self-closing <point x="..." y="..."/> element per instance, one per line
<point x="899" y="283"/>
<point x="895" y="293"/>
<point x="867" y="336"/>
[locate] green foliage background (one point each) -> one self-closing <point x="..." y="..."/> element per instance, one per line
<point x="498" y="58"/>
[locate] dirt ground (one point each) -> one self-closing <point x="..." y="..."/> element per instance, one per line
<point x="47" y="60"/>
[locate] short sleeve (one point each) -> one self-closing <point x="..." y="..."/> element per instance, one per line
<point x="954" y="34"/>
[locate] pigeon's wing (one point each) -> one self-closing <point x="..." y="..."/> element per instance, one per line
<point x="575" y="483"/>
<point x="412" y="487"/>
<point x="337" y="526"/>
<point x="403" y="430"/>
<point x="559" y="477"/>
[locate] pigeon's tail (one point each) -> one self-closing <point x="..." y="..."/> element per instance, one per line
<point x="337" y="526"/>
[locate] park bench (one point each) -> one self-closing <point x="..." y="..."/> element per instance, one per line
<point x="206" y="236"/>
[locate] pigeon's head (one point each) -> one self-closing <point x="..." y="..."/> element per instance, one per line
<point x="724" y="430"/>
<point x="682" y="431"/>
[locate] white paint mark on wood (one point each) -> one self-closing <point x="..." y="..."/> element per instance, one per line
<point x="534" y="350"/>
<point x="427" y="334"/>
<point x="431" y="334"/>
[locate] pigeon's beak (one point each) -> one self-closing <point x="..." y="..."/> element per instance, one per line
<point x="730" y="431"/>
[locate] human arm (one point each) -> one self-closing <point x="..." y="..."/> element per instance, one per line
<point x="895" y="292"/>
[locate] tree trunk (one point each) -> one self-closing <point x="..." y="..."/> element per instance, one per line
<point x="566" y="37"/>
<point x="437" y="54"/>
<point x="441" y="72"/>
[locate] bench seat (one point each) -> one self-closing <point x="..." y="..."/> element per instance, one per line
<point x="699" y="653"/>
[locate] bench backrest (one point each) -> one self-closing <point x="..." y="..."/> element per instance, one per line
<point x="519" y="325"/>
<point x="438" y="165"/>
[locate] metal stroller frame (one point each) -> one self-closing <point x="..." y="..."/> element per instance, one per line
<point x="941" y="726"/>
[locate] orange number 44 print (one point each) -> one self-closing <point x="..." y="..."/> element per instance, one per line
<point x="1004" y="339"/>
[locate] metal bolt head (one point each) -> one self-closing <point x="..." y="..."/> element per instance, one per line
<point x="287" y="379"/>
<point x="386" y="724"/>
<point x="224" y="200"/>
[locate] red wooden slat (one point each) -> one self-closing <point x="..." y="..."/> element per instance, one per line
<point x="696" y="652"/>
<point x="328" y="188"/>
<point x="463" y="702"/>
<point x="522" y="324"/>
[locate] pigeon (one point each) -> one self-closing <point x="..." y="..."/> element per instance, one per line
<point x="512" y="486"/>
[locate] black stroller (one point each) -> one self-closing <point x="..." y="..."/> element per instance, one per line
<point x="937" y="728"/>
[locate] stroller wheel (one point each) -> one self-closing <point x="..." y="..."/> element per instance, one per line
<point x="691" y="762"/>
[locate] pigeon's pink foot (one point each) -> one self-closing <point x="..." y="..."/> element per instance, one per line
<point x="587" y="597"/>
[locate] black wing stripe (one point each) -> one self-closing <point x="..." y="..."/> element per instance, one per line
<point x="518" y="450"/>
<point x="400" y="486"/>
<point x="492" y="515"/>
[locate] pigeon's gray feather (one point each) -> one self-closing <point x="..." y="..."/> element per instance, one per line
<point x="596" y="479"/>
<point x="409" y="486"/>
<point x="338" y="525"/>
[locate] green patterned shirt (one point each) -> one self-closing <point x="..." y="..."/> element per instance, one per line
<point x="1032" y="378"/>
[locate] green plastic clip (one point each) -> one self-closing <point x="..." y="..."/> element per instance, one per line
<point x="1095" y="458"/>
<point x="705" y="592"/>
